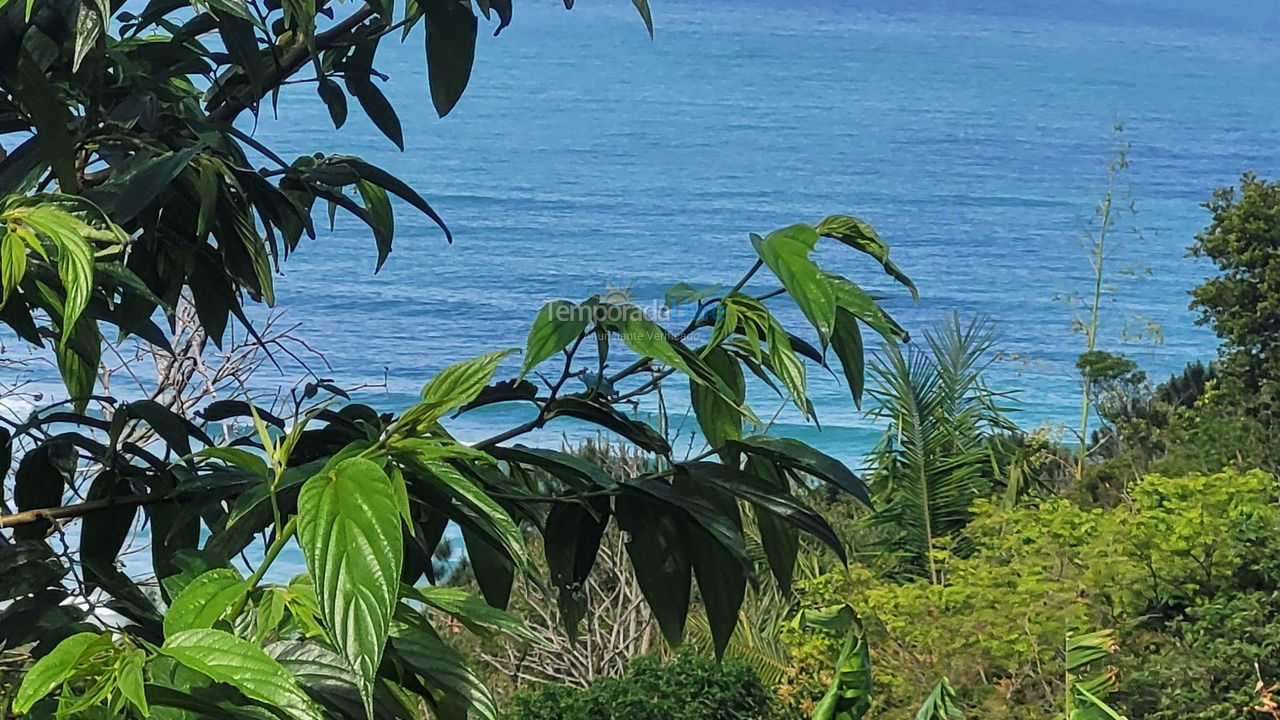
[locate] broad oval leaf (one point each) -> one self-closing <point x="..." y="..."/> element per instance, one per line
<point x="227" y="659"/>
<point x="559" y="323"/>
<point x="205" y="600"/>
<point x="349" y="530"/>
<point x="53" y="669"/>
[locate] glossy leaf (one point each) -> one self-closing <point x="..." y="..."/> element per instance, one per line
<point x="608" y="417"/>
<point x="656" y="548"/>
<point x="846" y="340"/>
<point x="205" y="600"/>
<point x="349" y="531"/>
<point x="53" y="669"/>
<point x="859" y="235"/>
<point x="459" y="384"/>
<point x="765" y="497"/>
<point x="444" y="668"/>
<point x="227" y="659"/>
<point x="558" y="323"/>
<point x="571" y="541"/>
<point x="786" y="253"/>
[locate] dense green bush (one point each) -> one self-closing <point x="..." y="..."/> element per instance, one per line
<point x="689" y="687"/>
<point x="1183" y="570"/>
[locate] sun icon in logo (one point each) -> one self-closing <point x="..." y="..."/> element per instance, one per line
<point x="616" y="295"/>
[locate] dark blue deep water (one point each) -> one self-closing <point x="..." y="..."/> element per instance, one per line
<point x="974" y="135"/>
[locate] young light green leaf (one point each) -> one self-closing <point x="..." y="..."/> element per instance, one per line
<point x="786" y="253"/>
<point x="205" y="601"/>
<point x="131" y="682"/>
<point x="459" y="384"/>
<point x="559" y="323"/>
<point x="53" y="669"/>
<point x="227" y="659"/>
<point x="349" y="530"/>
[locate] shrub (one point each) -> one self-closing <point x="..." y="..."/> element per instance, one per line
<point x="1182" y="570"/>
<point x="689" y="687"/>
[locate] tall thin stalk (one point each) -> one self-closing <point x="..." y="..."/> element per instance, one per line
<point x="1096" y="247"/>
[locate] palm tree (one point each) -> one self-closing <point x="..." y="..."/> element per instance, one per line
<point x="939" y="452"/>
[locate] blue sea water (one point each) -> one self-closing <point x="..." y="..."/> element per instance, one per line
<point x="973" y="134"/>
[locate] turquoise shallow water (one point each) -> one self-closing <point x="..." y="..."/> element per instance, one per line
<point x="973" y="134"/>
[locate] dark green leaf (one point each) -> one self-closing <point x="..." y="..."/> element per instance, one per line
<point x="571" y="541"/>
<point x="333" y="99"/>
<point x="846" y="339"/>
<point x="657" y="551"/>
<point x="451" y="50"/>
<point x="792" y="453"/>
<point x="606" y="416"/>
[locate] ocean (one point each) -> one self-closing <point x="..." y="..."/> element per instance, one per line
<point x="973" y="135"/>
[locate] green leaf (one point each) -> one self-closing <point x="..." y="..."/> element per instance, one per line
<point x="571" y="541"/>
<point x="941" y="703"/>
<point x="606" y="416"/>
<point x="131" y="682"/>
<point x="495" y="520"/>
<point x="846" y="340"/>
<point x="383" y="222"/>
<point x="396" y="187"/>
<point x="859" y="235"/>
<point x="568" y="468"/>
<point x="377" y="107"/>
<point x="719" y="417"/>
<point x="322" y="673"/>
<point x="237" y="457"/>
<point x="781" y="540"/>
<point x="334" y="100"/>
<point x="491" y="567"/>
<point x="764" y="496"/>
<point x="53" y="669"/>
<point x="40" y="481"/>
<point x="647" y="338"/>
<point x="451" y="50"/>
<point x="27" y="567"/>
<point x="37" y="95"/>
<point x="13" y="262"/>
<point x="103" y="533"/>
<point x="349" y="531"/>
<point x="227" y="659"/>
<point x="205" y="600"/>
<point x="474" y="613"/>
<point x="656" y="548"/>
<point x="559" y="323"/>
<point x="444" y="668"/>
<point x="856" y="300"/>
<point x="722" y="579"/>
<point x="645" y="14"/>
<point x="459" y="384"/>
<point x="134" y="186"/>
<point x="786" y="253"/>
<point x="793" y="454"/>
